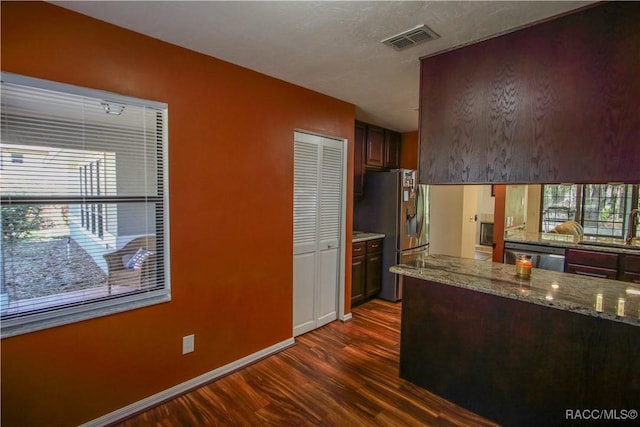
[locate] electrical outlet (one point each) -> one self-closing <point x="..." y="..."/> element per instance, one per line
<point x="599" y="302"/>
<point x="188" y="344"/>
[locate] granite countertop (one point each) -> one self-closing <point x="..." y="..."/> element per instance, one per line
<point x="620" y="301"/>
<point x="602" y="244"/>
<point x="363" y="236"/>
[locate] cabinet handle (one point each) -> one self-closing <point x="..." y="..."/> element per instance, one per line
<point x="584" y="273"/>
<point x="357" y="250"/>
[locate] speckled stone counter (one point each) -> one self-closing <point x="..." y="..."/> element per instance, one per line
<point x="361" y="236"/>
<point x="607" y="299"/>
<point x="518" y="352"/>
<point x="601" y="244"/>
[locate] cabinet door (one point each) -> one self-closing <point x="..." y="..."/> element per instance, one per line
<point x="375" y="147"/>
<point x="359" y="143"/>
<point x="605" y="260"/>
<point x="585" y="270"/>
<point x="391" y="149"/>
<point x="630" y="268"/>
<point x="374" y="274"/>
<point x="358" y="273"/>
<point x="592" y="263"/>
<point x="630" y="277"/>
<point x="525" y="107"/>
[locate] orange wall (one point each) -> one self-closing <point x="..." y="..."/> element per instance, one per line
<point x="409" y="150"/>
<point x="231" y="183"/>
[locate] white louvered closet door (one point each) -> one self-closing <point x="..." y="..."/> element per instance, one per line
<point x="317" y="217"/>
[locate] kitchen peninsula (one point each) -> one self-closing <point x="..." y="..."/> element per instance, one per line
<point x="519" y="352"/>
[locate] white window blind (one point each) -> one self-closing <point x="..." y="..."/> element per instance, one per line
<point x="331" y="192"/>
<point x="84" y="203"/>
<point x="305" y="197"/>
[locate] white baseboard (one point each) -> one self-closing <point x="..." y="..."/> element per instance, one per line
<point x="156" y="399"/>
<point x="346" y="317"/>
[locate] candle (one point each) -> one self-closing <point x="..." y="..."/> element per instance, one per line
<point x="523" y="266"/>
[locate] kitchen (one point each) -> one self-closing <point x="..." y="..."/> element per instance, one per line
<point x="233" y="311"/>
<point x="461" y="144"/>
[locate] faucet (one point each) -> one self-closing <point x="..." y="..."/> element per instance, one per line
<point x="633" y="221"/>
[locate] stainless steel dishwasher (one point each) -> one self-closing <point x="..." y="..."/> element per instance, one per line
<point x="542" y="256"/>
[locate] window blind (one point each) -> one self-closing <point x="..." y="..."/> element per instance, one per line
<point x="83" y="188"/>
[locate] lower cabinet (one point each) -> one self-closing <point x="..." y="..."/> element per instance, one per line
<point x="592" y="263"/>
<point x="606" y="265"/>
<point x="629" y="268"/>
<point x="358" y="271"/>
<point x="366" y="270"/>
<point x="373" y="280"/>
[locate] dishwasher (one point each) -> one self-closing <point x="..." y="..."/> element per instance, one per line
<point x="542" y="256"/>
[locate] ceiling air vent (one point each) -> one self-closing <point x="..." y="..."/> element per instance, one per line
<point x="411" y="37"/>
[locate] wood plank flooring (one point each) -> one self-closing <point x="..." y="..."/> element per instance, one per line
<point x="343" y="374"/>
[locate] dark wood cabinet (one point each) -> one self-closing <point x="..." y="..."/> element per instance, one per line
<point x="514" y="362"/>
<point x="366" y="270"/>
<point x="374" y="267"/>
<point x="629" y="268"/>
<point x="607" y="265"/>
<point x="375" y="147"/>
<point x="358" y="271"/>
<point x="360" y="136"/>
<point x="391" y="149"/>
<point x="592" y="263"/>
<point x="555" y="102"/>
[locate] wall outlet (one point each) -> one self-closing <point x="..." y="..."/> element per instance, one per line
<point x="188" y="344"/>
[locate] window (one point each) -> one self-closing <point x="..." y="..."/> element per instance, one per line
<point x="91" y="214"/>
<point x="83" y="203"/>
<point x="558" y="205"/>
<point x="601" y="209"/>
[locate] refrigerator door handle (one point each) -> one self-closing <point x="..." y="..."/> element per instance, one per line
<point x="419" y="210"/>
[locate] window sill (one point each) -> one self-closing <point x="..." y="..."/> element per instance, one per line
<point x="60" y="317"/>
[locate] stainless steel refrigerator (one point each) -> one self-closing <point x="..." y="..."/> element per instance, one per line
<point x="396" y="205"/>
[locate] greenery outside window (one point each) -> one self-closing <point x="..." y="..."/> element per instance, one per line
<point x="83" y="204"/>
<point x="601" y="209"/>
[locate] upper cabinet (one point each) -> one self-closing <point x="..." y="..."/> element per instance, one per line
<point x="556" y="102"/>
<point x="375" y="148"/>
<point x="360" y="135"/>
<point x="382" y="147"/>
<point x="391" y="149"/>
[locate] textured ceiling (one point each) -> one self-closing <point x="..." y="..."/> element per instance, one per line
<point x="330" y="47"/>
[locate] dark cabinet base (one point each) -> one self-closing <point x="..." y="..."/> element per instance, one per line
<point x="516" y="363"/>
<point x="366" y="271"/>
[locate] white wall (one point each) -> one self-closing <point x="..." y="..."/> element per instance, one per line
<point x="470" y="221"/>
<point x="534" y="200"/>
<point x="446" y="210"/>
<point x="515" y="206"/>
<point x="453" y="208"/>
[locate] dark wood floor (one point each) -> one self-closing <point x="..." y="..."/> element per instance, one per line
<point x="343" y="374"/>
